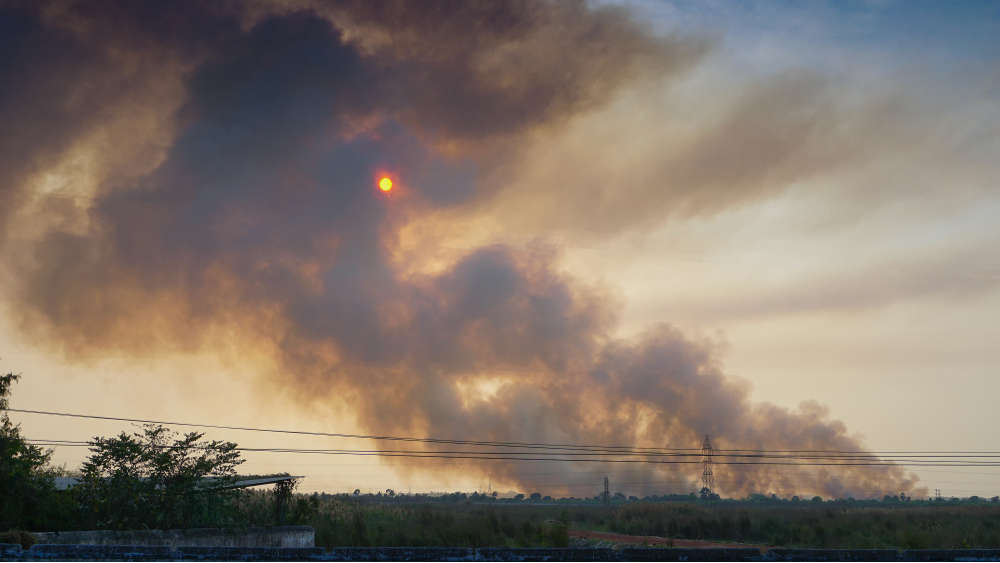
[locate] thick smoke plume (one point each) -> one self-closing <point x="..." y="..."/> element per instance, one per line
<point x="174" y="175"/>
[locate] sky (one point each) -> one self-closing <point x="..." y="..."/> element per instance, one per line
<point x="612" y="222"/>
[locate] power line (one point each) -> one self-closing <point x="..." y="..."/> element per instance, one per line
<point x="528" y="456"/>
<point x="354" y="436"/>
<point x="870" y="458"/>
<point x="611" y="449"/>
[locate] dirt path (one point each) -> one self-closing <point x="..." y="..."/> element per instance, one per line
<point x="656" y="541"/>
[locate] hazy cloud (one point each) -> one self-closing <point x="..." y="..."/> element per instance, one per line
<point x="259" y="223"/>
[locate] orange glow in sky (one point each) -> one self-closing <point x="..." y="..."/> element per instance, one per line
<point x="385" y="183"/>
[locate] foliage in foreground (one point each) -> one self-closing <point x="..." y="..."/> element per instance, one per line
<point x="26" y="488"/>
<point x="156" y="478"/>
<point x="153" y="478"/>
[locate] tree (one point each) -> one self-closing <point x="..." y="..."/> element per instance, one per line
<point x="156" y="478"/>
<point x="282" y="498"/>
<point x="26" y="480"/>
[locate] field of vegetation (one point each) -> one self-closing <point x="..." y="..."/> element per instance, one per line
<point x="339" y="520"/>
<point x="154" y="478"/>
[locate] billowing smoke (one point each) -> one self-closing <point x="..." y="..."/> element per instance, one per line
<point x="174" y="174"/>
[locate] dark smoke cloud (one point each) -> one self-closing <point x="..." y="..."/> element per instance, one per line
<point x="261" y="223"/>
<point x="482" y="70"/>
<point x="40" y="117"/>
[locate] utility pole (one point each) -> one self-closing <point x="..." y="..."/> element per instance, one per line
<point x="707" y="478"/>
<point x="607" y="491"/>
<point x="937" y="494"/>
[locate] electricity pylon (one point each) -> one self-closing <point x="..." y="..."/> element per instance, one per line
<point x="707" y="478"/>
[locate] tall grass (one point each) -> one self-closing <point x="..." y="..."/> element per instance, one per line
<point x="343" y="523"/>
<point x="340" y="521"/>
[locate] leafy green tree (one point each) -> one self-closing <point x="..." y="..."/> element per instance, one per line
<point x="26" y="479"/>
<point x="156" y="478"/>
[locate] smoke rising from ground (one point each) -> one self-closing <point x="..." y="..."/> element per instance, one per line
<point x="231" y="156"/>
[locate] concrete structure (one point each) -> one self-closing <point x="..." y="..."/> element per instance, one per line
<point x="273" y="536"/>
<point x="13" y="552"/>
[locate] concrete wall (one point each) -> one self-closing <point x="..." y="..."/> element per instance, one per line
<point x="274" y="536"/>
<point x="39" y="552"/>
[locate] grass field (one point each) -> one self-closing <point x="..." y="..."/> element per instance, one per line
<point x="340" y="521"/>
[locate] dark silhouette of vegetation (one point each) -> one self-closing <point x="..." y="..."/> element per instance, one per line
<point x="282" y="498"/>
<point x="416" y="520"/>
<point x="27" y="490"/>
<point x="842" y="524"/>
<point x="339" y="521"/>
<point x="156" y="478"/>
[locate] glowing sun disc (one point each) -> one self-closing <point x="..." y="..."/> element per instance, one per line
<point x="385" y="184"/>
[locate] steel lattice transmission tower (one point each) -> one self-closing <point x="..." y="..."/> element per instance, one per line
<point x="707" y="478"/>
<point x="607" y="491"/>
